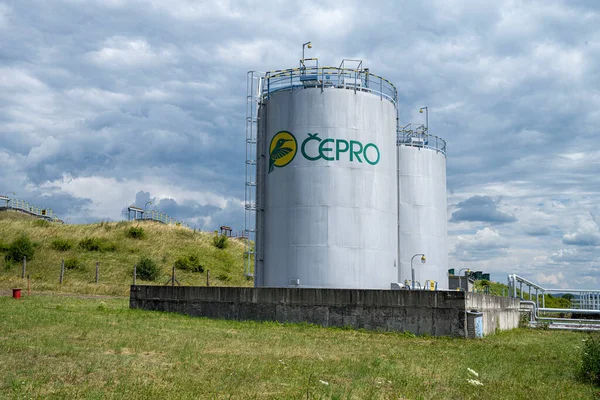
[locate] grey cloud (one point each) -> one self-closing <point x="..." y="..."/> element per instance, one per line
<point x="482" y="209"/>
<point x="131" y="90"/>
<point x="540" y="231"/>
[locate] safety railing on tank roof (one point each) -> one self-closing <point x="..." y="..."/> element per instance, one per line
<point x="420" y="138"/>
<point x="329" y="77"/>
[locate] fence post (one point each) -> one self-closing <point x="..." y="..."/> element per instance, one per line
<point x="62" y="271"/>
<point x="134" y="274"/>
<point x="208" y="278"/>
<point x="24" y="267"/>
<point x="97" y="272"/>
<point x="173" y="277"/>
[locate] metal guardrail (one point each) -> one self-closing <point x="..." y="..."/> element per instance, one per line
<point x="329" y="77"/>
<point x="583" y="299"/>
<point x="31" y="209"/>
<point x="420" y="138"/>
<point x="155" y="215"/>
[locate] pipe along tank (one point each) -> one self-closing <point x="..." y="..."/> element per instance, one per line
<point x="327" y="182"/>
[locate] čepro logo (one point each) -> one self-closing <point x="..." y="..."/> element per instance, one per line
<point x="282" y="150"/>
<point x="284" y="147"/>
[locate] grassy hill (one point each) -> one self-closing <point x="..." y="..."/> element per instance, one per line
<point x="111" y="244"/>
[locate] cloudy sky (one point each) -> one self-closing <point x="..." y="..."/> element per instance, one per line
<point x="113" y="102"/>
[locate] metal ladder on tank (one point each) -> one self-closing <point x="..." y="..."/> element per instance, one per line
<point x="254" y="82"/>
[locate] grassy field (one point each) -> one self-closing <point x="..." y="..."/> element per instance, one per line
<point x="65" y="347"/>
<point x="163" y="243"/>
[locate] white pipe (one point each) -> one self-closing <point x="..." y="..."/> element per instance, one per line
<point x="569" y="310"/>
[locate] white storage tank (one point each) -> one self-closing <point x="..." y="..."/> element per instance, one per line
<point x="423" y="223"/>
<point x="326" y="201"/>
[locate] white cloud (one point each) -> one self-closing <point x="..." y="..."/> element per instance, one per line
<point x="587" y="233"/>
<point x="558" y="279"/>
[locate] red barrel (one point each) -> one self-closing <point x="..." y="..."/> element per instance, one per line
<point x="16" y="293"/>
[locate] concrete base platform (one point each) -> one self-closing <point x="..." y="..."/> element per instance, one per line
<point x="440" y="313"/>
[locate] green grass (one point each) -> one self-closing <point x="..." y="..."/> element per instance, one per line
<point x="117" y="254"/>
<point x="63" y="347"/>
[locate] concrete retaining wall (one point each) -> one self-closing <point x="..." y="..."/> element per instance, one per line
<point x="439" y="313"/>
<point x="499" y="313"/>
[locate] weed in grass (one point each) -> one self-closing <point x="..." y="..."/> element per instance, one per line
<point x="135" y="232"/>
<point x="524" y="319"/>
<point x="60" y="244"/>
<point x="96" y="244"/>
<point x="73" y="263"/>
<point x="189" y="263"/>
<point x="590" y="359"/>
<point x="224" y="277"/>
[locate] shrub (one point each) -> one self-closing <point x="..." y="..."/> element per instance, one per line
<point x="3" y="247"/>
<point x="96" y="244"/>
<point x="189" y="263"/>
<point x="61" y="244"/>
<point x="220" y="241"/>
<point x="41" y="223"/>
<point x="135" y="233"/>
<point x="147" y="269"/>
<point x="73" y="263"/>
<point x="20" y="248"/>
<point x="590" y="357"/>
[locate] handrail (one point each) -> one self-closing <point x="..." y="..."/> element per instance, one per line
<point x="585" y="299"/>
<point x="32" y="209"/>
<point x="329" y="77"/>
<point x="420" y="138"/>
<point x="158" y="216"/>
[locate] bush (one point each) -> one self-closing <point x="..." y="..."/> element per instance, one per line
<point x="590" y="357"/>
<point x="61" y="244"/>
<point x="20" y="248"/>
<point x="96" y="244"/>
<point x="147" y="269"/>
<point x="190" y="263"/>
<point x="3" y="247"/>
<point x="135" y="233"/>
<point x="220" y="241"/>
<point x="73" y="263"/>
